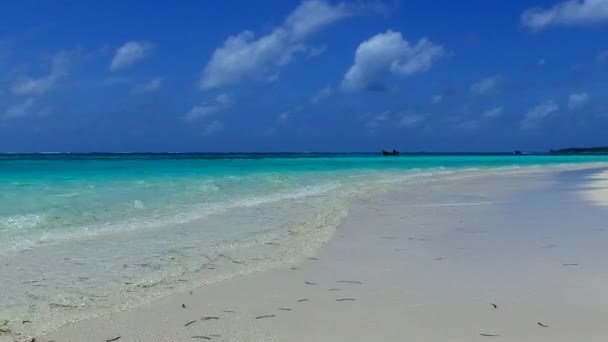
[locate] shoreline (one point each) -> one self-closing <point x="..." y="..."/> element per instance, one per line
<point x="82" y="279"/>
<point x="318" y="280"/>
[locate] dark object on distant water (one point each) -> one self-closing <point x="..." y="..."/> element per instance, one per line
<point x="581" y="150"/>
<point x="388" y="153"/>
<point x="518" y="152"/>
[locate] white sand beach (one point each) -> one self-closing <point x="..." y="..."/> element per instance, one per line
<point x="597" y="189"/>
<point x="513" y="256"/>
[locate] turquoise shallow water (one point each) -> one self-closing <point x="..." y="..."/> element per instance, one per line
<point x="49" y="197"/>
<point x="90" y="234"/>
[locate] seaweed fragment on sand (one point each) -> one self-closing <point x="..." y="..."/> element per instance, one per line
<point x="191" y="322"/>
<point x="303" y="300"/>
<point x="4" y="328"/>
<point x="310" y="283"/>
<point x="494" y="305"/>
<point x="209" y="318"/>
<point x="61" y="306"/>
<point x="350" y="282"/>
<point x="265" y="316"/>
<point x="114" y="339"/>
<point x="345" y="299"/>
<point x="542" y="325"/>
<point x="489" y="335"/>
<point x="148" y="285"/>
<point x="200" y="337"/>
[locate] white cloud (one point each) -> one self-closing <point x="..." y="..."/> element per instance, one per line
<point x="322" y="94"/>
<point x="243" y="57"/>
<point x="468" y="125"/>
<point x="28" y="86"/>
<point x="129" y="54"/>
<point x="316" y="51"/>
<point x="213" y="127"/>
<point x="19" y="110"/>
<point x="224" y="99"/>
<point x="437" y="99"/>
<point x="493" y="113"/>
<point x="45" y="111"/>
<point x="485" y="86"/>
<point x="148" y="86"/>
<point x="200" y="112"/>
<point x="373" y="123"/>
<point x="401" y="119"/>
<point x="285" y="115"/>
<point x="577" y="101"/>
<point x="389" y="53"/>
<point x="535" y="115"/>
<point x="410" y="120"/>
<point x="221" y="102"/>
<point x="567" y="13"/>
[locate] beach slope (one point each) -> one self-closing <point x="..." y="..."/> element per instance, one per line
<point x="513" y="257"/>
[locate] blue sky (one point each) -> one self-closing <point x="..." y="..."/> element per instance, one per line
<point x="312" y="75"/>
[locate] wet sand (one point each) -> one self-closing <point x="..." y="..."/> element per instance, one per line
<point x="513" y="257"/>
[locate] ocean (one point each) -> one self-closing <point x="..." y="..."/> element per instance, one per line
<point x="87" y="234"/>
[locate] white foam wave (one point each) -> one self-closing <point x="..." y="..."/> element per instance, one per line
<point x="185" y="215"/>
<point x="137" y="204"/>
<point x="19" y="222"/>
<point x="209" y="187"/>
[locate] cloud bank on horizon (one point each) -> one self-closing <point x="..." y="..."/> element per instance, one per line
<point x="375" y="73"/>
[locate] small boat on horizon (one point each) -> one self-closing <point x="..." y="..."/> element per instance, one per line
<point x="389" y="153"/>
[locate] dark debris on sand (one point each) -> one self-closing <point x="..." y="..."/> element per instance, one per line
<point x="265" y="316"/>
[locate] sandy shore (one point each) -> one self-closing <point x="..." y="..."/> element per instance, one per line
<point x="596" y="190"/>
<point x="518" y="257"/>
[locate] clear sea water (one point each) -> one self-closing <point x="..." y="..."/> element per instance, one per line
<point x="89" y="234"/>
